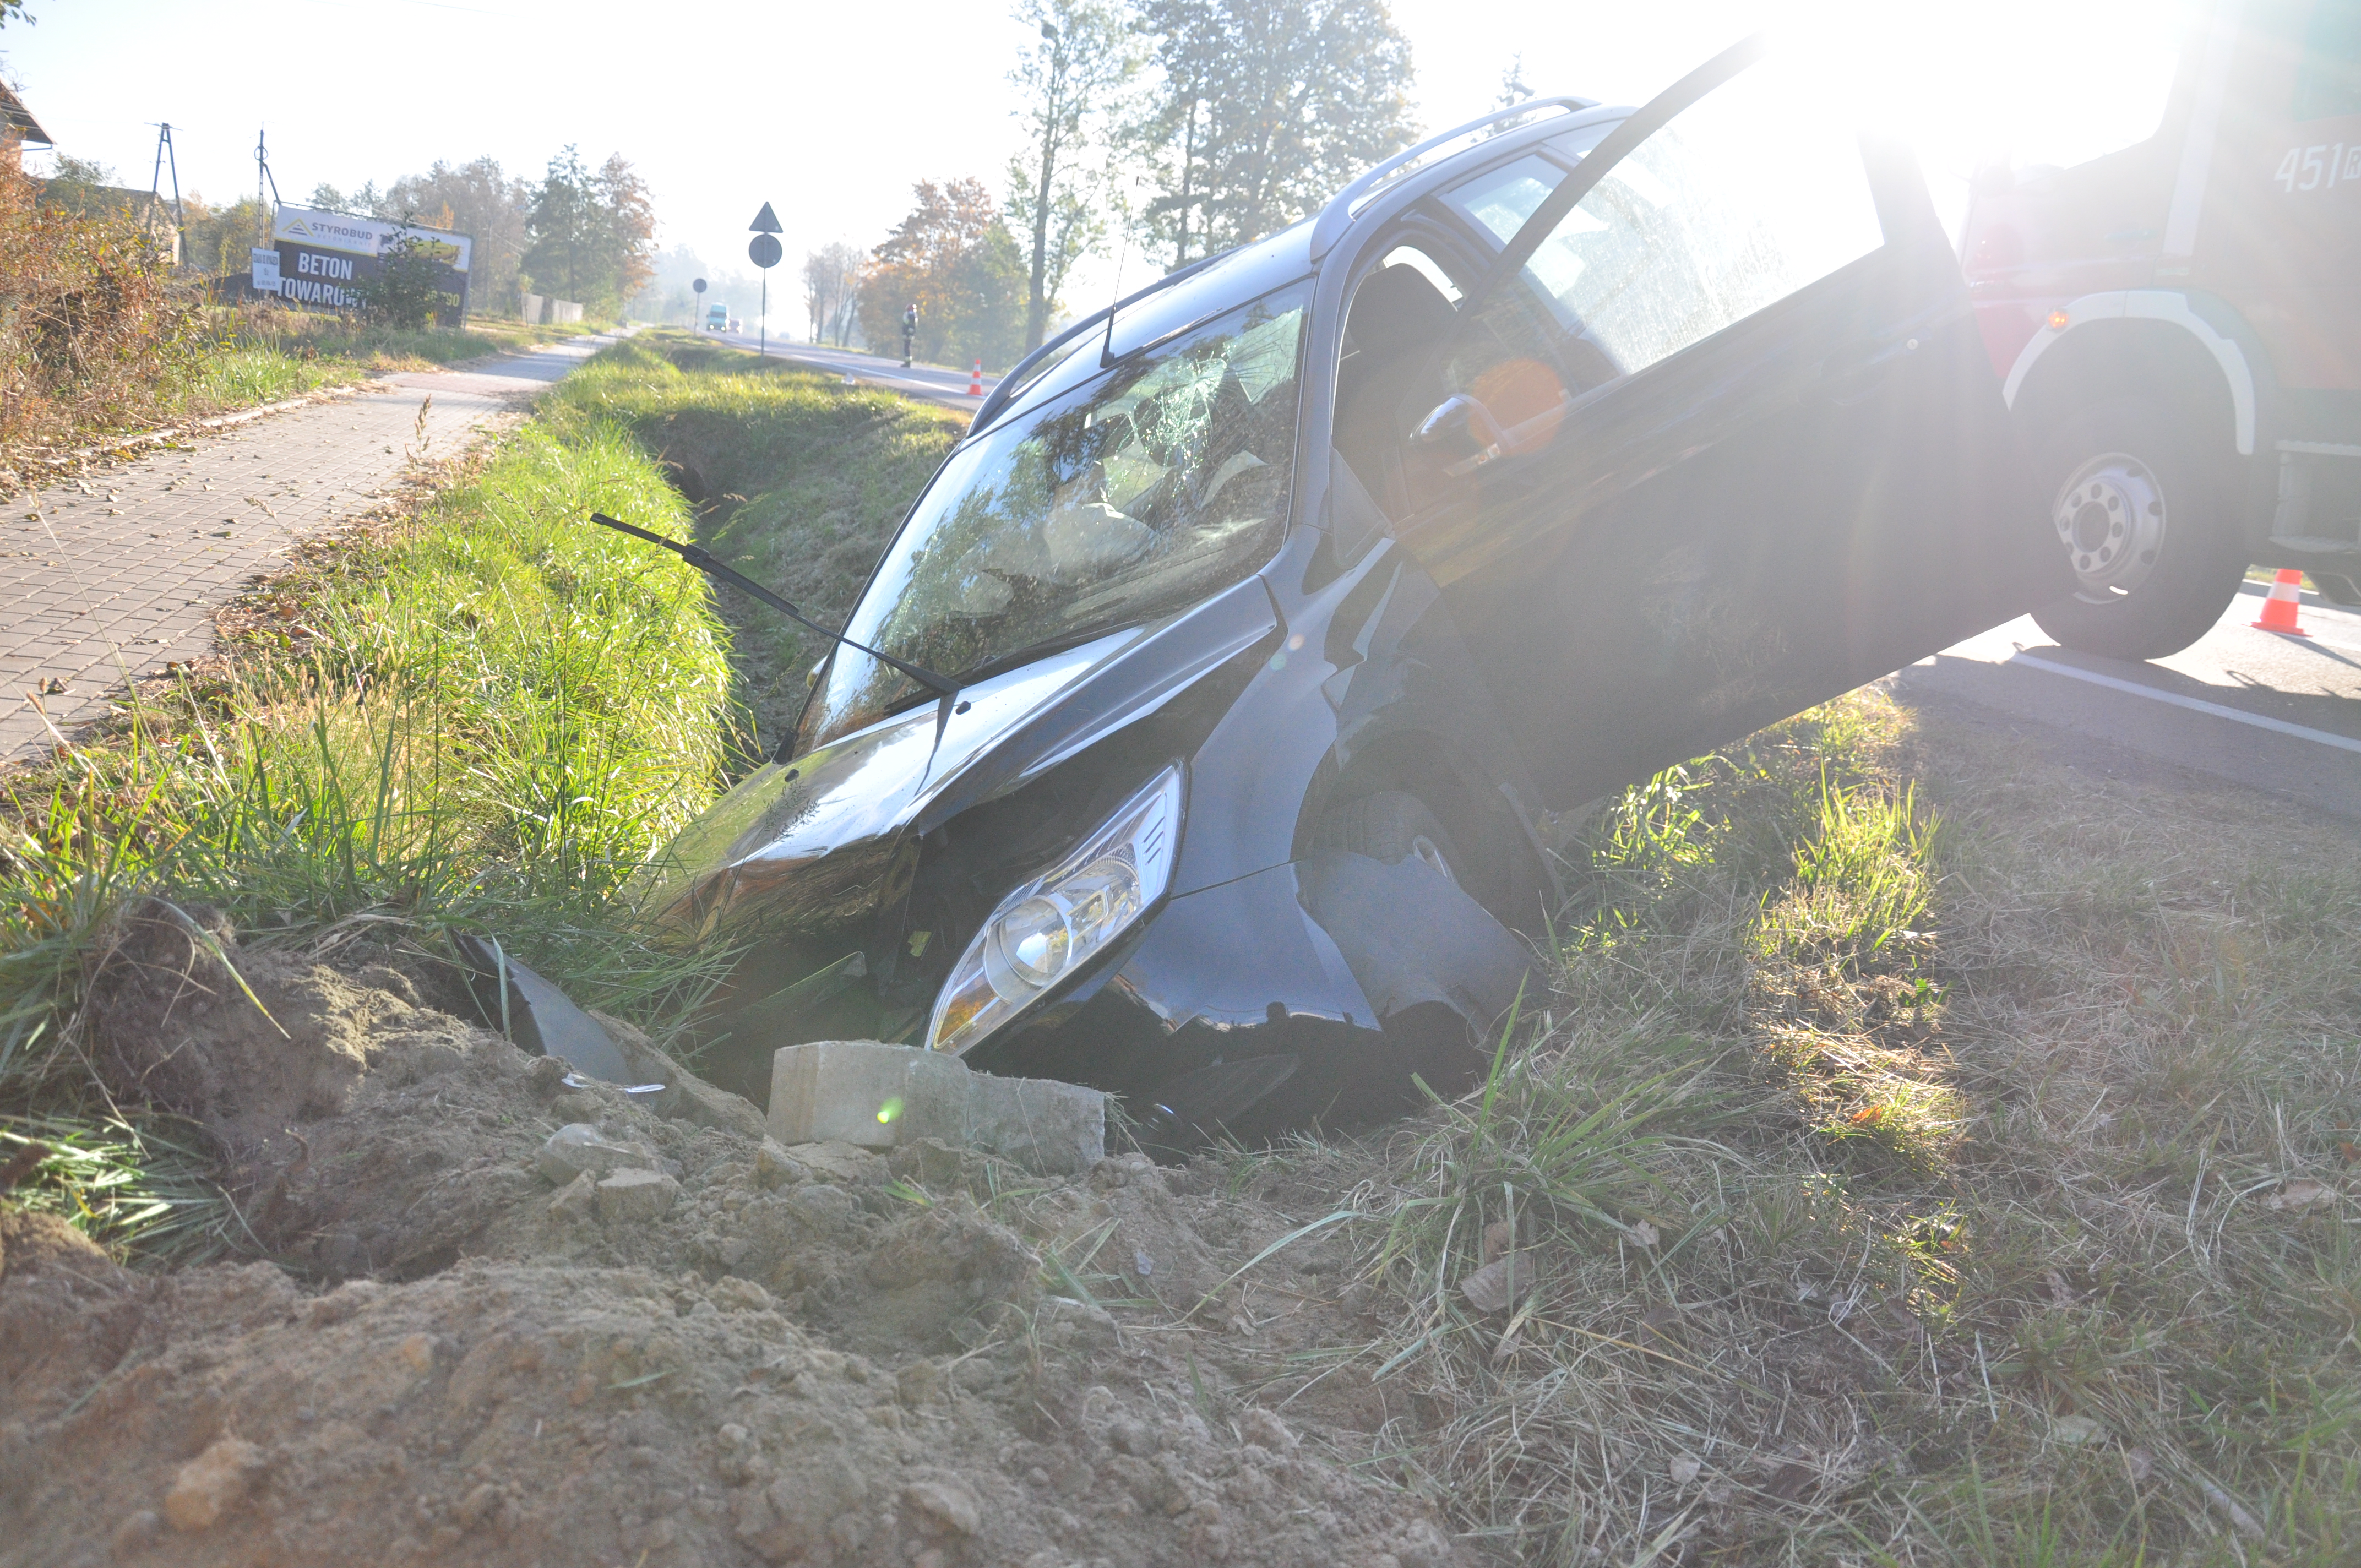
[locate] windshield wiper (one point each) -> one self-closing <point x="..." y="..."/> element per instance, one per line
<point x="943" y="686"/>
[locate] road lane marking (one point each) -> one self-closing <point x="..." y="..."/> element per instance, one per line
<point x="2195" y="705"/>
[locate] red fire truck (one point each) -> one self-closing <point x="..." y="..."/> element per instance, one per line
<point x="2179" y="322"/>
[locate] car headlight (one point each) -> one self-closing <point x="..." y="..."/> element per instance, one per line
<point x="1052" y="925"/>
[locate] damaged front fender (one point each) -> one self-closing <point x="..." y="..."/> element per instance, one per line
<point x="1313" y="989"/>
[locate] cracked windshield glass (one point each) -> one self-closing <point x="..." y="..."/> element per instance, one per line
<point x="1131" y="498"/>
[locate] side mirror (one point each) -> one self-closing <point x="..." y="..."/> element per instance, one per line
<point x="1461" y="431"/>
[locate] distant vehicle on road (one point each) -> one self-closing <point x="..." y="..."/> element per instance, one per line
<point x="2179" y="322"/>
<point x="716" y="318"/>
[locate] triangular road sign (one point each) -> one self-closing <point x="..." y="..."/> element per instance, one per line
<point x="765" y="222"/>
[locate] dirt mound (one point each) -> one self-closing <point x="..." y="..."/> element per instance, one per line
<point x="703" y="1348"/>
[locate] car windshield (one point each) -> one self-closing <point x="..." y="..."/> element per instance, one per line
<point x="1130" y="497"/>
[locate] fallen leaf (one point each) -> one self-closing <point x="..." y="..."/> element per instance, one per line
<point x="2076" y="1430"/>
<point x="2301" y="1194"/>
<point x="2060" y="1291"/>
<point x="1495" y="1287"/>
<point x="2139" y="1463"/>
<point x="1789" y="1482"/>
<point x="1685" y="1470"/>
<point x="1658" y="1322"/>
<point x="1644" y="1233"/>
<point x="1499" y="1236"/>
<point x="1868" y="1115"/>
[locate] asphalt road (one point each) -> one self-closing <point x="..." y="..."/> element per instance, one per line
<point x="931" y="382"/>
<point x="2277" y="713"/>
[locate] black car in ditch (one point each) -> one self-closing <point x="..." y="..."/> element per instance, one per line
<point x="1234" y="656"/>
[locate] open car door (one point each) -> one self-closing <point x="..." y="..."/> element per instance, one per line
<point x="1717" y="439"/>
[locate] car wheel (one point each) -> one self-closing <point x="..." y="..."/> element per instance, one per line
<point x="2336" y="587"/>
<point x="1391" y="825"/>
<point x="2147" y="528"/>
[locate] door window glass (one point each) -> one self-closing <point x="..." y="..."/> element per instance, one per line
<point x="1747" y="196"/>
<point x="1501" y="200"/>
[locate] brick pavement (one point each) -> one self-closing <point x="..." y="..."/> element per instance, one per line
<point x="123" y="571"/>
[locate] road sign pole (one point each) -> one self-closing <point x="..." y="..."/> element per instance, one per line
<point x="763" y="251"/>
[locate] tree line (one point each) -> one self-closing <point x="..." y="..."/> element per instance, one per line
<point x="1163" y="130"/>
<point x="578" y="233"/>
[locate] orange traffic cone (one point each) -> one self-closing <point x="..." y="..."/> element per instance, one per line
<point x="975" y="380"/>
<point x="2278" y="610"/>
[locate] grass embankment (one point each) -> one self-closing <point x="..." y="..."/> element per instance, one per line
<point x="799" y="482"/>
<point x="480" y="719"/>
<point x="254" y="356"/>
<point x="1925" y="1154"/>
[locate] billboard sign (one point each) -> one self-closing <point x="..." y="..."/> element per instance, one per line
<point x="325" y="257"/>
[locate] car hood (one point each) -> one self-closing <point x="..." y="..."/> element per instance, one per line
<point x="815" y="841"/>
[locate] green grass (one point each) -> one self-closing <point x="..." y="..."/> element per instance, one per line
<point x="483" y="720"/>
<point x="1895" y="1150"/>
<point x="259" y="357"/>
<point x="799" y="482"/>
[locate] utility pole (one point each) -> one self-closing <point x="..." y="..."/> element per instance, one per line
<point x="167" y="158"/>
<point x="263" y="176"/>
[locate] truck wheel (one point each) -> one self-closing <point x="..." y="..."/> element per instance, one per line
<point x="1388" y="826"/>
<point x="2337" y="589"/>
<point x="2145" y="525"/>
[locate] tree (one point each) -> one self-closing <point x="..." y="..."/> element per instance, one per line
<point x="481" y="201"/>
<point x="1514" y="88"/>
<point x="592" y="236"/>
<point x="955" y="259"/>
<point x="1069" y="85"/>
<point x="1267" y="107"/>
<point x="408" y="289"/>
<point x="215" y="239"/>
<point x="833" y="290"/>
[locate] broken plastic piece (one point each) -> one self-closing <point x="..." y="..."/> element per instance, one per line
<point x="537" y="1015"/>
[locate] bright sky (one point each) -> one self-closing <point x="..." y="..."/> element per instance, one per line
<point x="831" y="111"/>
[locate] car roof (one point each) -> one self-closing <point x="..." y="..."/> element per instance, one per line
<point x="1195" y="293"/>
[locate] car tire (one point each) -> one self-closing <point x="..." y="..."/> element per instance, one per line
<point x="2145" y="519"/>
<point x="2336" y="587"/>
<point x="1392" y="826"/>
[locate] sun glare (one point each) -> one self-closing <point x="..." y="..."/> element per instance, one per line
<point x="2019" y="82"/>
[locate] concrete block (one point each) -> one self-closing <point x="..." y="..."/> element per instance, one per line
<point x="861" y="1093"/>
<point x="880" y="1097"/>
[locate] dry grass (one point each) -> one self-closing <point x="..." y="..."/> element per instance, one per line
<point x="1930" y="1154"/>
<point x="92" y="334"/>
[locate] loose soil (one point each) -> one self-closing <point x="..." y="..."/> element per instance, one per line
<point x="756" y="1356"/>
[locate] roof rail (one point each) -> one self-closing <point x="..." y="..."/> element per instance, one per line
<point x="1017" y="381"/>
<point x="1347" y="203"/>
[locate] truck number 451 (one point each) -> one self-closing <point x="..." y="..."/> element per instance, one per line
<point x="2308" y="167"/>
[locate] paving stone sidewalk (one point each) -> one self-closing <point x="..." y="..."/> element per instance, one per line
<point x="123" y="571"/>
